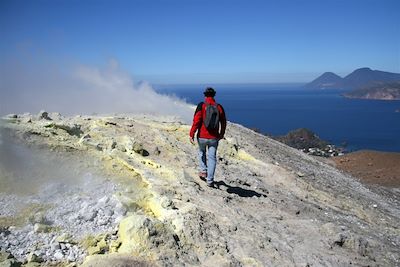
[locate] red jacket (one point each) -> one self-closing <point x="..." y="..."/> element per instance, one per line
<point x="199" y="125"/>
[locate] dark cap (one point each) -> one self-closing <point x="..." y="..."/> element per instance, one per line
<point x="209" y="92"/>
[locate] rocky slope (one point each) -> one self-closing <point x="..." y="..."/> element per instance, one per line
<point x="274" y="205"/>
<point x="378" y="91"/>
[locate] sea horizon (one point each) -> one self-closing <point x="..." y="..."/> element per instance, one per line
<point x="275" y="110"/>
<point x="202" y="86"/>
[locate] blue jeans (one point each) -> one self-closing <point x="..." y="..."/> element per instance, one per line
<point x="208" y="162"/>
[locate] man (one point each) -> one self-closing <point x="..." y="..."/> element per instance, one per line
<point x="210" y="123"/>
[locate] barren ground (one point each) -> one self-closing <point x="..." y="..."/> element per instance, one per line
<point x="372" y="167"/>
<point x="273" y="205"/>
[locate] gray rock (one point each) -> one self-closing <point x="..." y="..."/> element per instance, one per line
<point x="10" y="263"/>
<point x="11" y="116"/>
<point x="27" y="120"/>
<point x="85" y="138"/>
<point x="300" y="174"/>
<point x="4" y="256"/>
<point x="362" y="248"/>
<point x="104" y="200"/>
<point x="39" y="218"/>
<point x="121" y="148"/>
<point x="156" y="151"/>
<point x="73" y="130"/>
<point x="108" y="212"/>
<point x="55" y="246"/>
<point x="13" y="241"/>
<point x="71" y="256"/>
<point x="128" y="144"/>
<point x="64" y="238"/>
<point x="118" y="219"/>
<point x="85" y="205"/>
<point x="120" y="209"/>
<point x="6" y="244"/>
<point x="102" y="221"/>
<point x="137" y="147"/>
<point x="232" y="228"/>
<point x="41" y="228"/>
<point x="33" y="257"/>
<point x="112" y="144"/>
<point x="99" y="147"/>
<point x="74" y="219"/>
<point x="167" y="203"/>
<point x="58" y="255"/>
<point x="56" y="116"/>
<point x="89" y="216"/>
<point x="341" y="239"/>
<point x="43" y="115"/>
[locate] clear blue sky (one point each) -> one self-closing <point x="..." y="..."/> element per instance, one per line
<point x="195" y="41"/>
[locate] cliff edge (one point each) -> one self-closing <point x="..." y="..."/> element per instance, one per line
<point x="377" y="91"/>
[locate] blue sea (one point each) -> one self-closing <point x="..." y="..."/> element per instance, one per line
<point x="277" y="109"/>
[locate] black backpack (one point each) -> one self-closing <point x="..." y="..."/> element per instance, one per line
<point x="211" y="118"/>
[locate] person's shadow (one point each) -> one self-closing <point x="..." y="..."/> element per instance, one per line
<point x="238" y="190"/>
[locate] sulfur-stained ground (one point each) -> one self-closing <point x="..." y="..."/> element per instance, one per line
<point x="272" y="205"/>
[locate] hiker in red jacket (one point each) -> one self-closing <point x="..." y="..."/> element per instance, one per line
<point x="210" y="123"/>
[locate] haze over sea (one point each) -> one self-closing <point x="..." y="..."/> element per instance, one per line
<point x="277" y="109"/>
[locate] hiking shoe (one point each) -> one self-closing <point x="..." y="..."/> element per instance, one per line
<point x="203" y="175"/>
<point x="211" y="184"/>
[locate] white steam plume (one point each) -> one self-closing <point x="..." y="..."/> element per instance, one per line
<point x="82" y="89"/>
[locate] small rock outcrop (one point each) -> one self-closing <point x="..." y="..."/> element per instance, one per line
<point x="307" y="141"/>
<point x="43" y="115"/>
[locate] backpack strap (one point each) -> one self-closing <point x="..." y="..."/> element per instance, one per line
<point x="199" y="107"/>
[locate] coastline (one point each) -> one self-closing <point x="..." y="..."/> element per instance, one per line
<point x="370" y="97"/>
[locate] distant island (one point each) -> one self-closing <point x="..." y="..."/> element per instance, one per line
<point x="328" y="80"/>
<point x="357" y="79"/>
<point x="379" y="90"/>
<point x="362" y="83"/>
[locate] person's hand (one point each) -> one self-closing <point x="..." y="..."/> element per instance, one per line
<point x="192" y="140"/>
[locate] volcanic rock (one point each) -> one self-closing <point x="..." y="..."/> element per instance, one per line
<point x="272" y="205"/>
